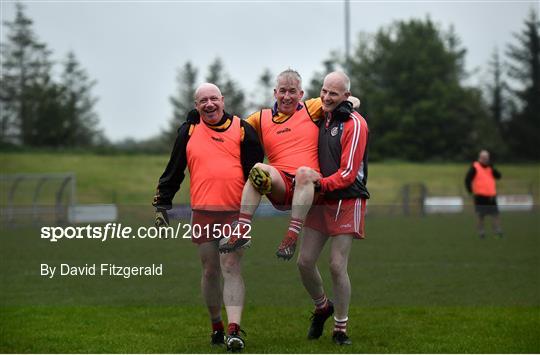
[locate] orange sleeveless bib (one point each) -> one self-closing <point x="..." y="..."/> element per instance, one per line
<point x="483" y="183"/>
<point x="290" y="144"/>
<point x="216" y="175"/>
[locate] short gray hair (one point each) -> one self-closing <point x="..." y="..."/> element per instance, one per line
<point x="290" y="74"/>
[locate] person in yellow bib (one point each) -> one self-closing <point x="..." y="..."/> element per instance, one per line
<point x="480" y="181"/>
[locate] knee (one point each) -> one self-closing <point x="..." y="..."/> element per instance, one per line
<point x="338" y="267"/>
<point x="305" y="264"/>
<point x="230" y="266"/>
<point x="261" y="166"/>
<point x="211" y="271"/>
<point x="260" y="178"/>
<point x="304" y="175"/>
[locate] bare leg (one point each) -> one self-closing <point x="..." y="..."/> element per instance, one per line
<point x="211" y="277"/>
<point x="233" y="285"/>
<point x="310" y="250"/>
<point x="497" y="225"/>
<point x="304" y="192"/>
<point x="251" y="198"/>
<point x="339" y="257"/>
<point x="480" y="225"/>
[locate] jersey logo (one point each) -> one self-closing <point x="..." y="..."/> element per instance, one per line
<point x="218" y="139"/>
<point x="285" y="130"/>
<point x="334" y="132"/>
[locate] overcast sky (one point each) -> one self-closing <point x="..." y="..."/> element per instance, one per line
<point x="135" y="48"/>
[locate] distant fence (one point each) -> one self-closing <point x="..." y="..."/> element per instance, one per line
<point x="413" y="200"/>
<point x="416" y="200"/>
<point x="46" y="199"/>
<point x="51" y="199"/>
<point x="36" y="198"/>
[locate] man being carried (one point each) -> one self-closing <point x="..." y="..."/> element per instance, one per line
<point x="289" y="134"/>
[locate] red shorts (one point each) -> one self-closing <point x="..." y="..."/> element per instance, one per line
<point x="207" y="226"/>
<point x="332" y="218"/>
<point x="289" y="191"/>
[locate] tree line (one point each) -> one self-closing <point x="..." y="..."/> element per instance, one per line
<point x="36" y="109"/>
<point x="410" y="77"/>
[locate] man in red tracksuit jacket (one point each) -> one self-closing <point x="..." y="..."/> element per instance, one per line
<point x="339" y="213"/>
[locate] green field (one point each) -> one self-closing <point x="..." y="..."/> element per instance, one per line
<point x="132" y="179"/>
<point x="425" y="285"/>
<point x="420" y="284"/>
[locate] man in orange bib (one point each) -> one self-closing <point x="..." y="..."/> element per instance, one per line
<point x="219" y="150"/>
<point x="288" y="133"/>
<point x="480" y="181"/>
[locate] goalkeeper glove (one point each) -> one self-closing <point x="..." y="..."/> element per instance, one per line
<point x="162" y="219"/>
<point x="260" y="180"/>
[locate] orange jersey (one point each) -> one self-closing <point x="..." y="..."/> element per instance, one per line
<point x="290" y="141"/>
<point x="313" y="106"/>
<point x="483" y="183"/>
<point x="213" y="160"/>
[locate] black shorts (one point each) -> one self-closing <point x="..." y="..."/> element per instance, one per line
<point x="485" y="205"/>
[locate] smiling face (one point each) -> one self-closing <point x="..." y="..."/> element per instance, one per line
<point x="334" y="91"/>
<point x="209" y="102"/>
<point x="288" y="93"/>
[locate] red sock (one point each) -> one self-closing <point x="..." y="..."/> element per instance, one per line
<point x="295" y="226"/>
<point x="320" y="303"/>
<point x="244" y="222"/>
<point x="244" y="218"/>
<point x="340" y="325"/>
<point x="218" y="326"/>
<point x="233" y="328"/>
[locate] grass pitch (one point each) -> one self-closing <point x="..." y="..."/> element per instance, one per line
<point x="420" y="285"/>
<point x="131" y="179"/>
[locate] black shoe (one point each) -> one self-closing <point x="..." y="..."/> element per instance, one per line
<point x="317" y="321"/>
<point x="340" y="338"/>
<point x="218" y="338"/>
<point x="234" y="342"/>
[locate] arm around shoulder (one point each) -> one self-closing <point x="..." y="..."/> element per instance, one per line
<point x="251" y="151"/>
<point x="355" y="101"/>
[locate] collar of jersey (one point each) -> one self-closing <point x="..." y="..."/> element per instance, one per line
<point x="275" y="111"/>
<point x="223" y="124"/>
